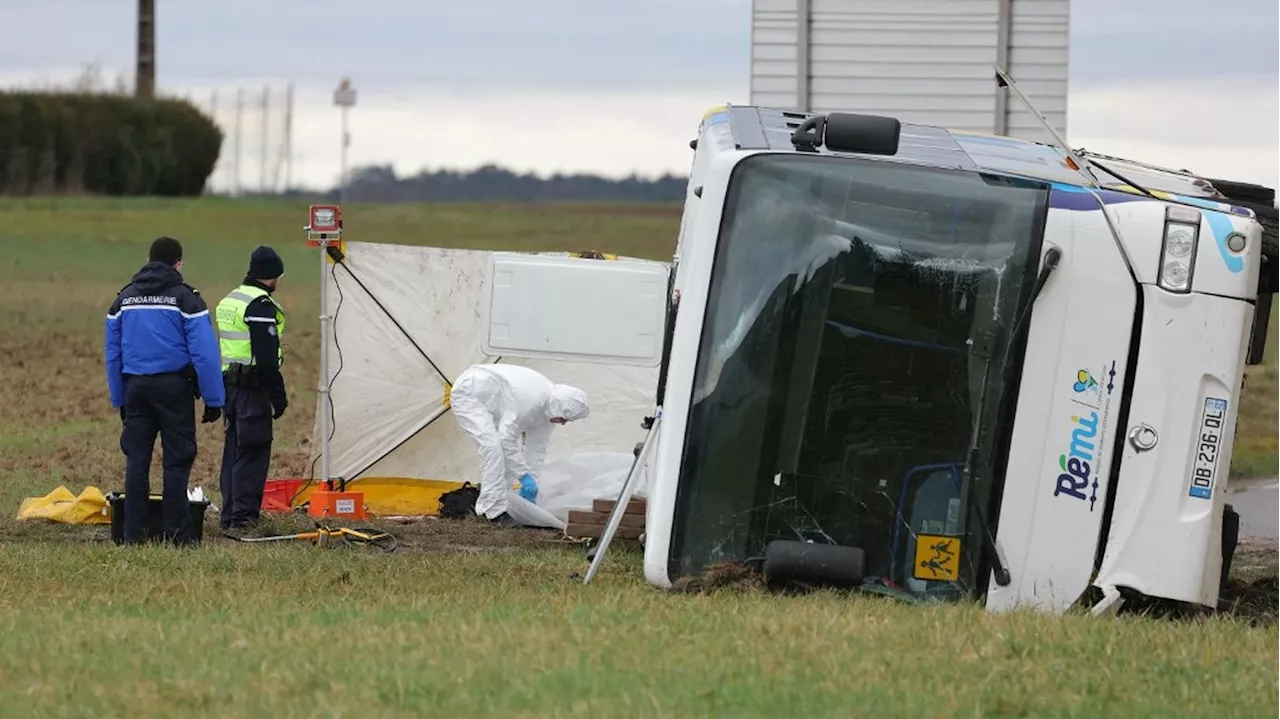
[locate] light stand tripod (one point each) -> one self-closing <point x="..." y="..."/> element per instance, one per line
<point x="325" y="231"/>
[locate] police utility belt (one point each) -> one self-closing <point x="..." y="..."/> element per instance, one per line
<point x="187" y="373"/>
<point x="241" y="375"/>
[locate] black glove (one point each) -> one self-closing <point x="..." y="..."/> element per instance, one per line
<point x="121" y="414"/>
<point x="279" y="409"/>
<point x="211" y="414"/>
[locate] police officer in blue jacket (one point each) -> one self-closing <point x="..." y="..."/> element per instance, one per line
<point x="161" y="355"/>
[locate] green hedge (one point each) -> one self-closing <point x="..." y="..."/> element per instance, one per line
<point x="104" y="144"/>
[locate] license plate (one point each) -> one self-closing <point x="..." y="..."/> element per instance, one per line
<point x="1212" y="423"/>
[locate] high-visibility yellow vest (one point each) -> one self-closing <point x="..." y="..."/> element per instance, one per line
<point x="233" y="330"/>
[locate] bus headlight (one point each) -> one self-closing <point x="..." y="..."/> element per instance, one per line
<point x="1178" y="252"/>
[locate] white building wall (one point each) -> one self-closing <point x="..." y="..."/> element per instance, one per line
<point x="923" y="61"/>
<point x="774" y="63"/>
<point x="1038" y="63"/>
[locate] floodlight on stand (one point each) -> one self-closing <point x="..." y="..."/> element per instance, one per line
<point x="323" y="220"/>
<point x="324" y="230"/>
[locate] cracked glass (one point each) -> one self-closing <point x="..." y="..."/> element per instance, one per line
<point x="857" y="310"/>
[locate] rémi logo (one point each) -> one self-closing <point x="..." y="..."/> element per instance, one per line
<point x="1077" y="463"/>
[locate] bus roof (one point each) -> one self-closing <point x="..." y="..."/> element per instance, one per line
<point x="761" y="128"/>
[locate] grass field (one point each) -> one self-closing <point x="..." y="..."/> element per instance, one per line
<point x="464" y="620"/>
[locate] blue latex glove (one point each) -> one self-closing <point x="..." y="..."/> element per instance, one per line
<point x="529" y="488"/>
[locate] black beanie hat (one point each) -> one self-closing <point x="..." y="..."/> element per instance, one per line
<point x="265" y="264"/>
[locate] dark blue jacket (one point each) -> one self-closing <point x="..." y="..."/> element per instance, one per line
<point x="160" y="324"/>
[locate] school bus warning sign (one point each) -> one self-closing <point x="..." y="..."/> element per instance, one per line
<point x="937" y="558"/>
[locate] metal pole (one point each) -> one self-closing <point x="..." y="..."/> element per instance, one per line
<point x="624" y="498"/>
<point x="219" y="169"/>
<point x="323" y="389"/>
<point x="239" y="113"/>
<point x="266" y="124"/>
<point x="288" y="139"/>
<point x="346" y="140"/>
<point x="344" y="97"/>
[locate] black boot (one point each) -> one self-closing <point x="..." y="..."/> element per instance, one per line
<point x="505" y="521"/>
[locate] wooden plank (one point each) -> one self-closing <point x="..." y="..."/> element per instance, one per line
<point x="597" y="530"/>
<point x="628" y="520"/>
<point x="584" y="530"/>
<point x="635" y="506"/>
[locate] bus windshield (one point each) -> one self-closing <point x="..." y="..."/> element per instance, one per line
<point x="855" y="308"/>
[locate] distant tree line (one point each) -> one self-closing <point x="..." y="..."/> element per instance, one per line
<point x="93" y="138"/>
<point x="491" y="183"/>
<point x="104" y="143"/>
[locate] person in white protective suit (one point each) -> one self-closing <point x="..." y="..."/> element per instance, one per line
<point x="497" y="405"/>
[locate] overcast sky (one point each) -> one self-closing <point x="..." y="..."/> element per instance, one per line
<point x="615" y="86"/>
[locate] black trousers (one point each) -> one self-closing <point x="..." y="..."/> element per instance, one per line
<point x="161" y="405"/>
<point x="246" y="455"/>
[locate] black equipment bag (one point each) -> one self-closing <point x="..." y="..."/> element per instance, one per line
<point x="460" y="503"/>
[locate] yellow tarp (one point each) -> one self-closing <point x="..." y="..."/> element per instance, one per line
<point x="395" y="496"/>
<point x="62" y="506"/>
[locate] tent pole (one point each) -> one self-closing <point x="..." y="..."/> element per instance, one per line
<point x="624" y="498"/>
<point x="396" y="322"/>
<point x="323" y="389"/>
<point x="411" y="435"/>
